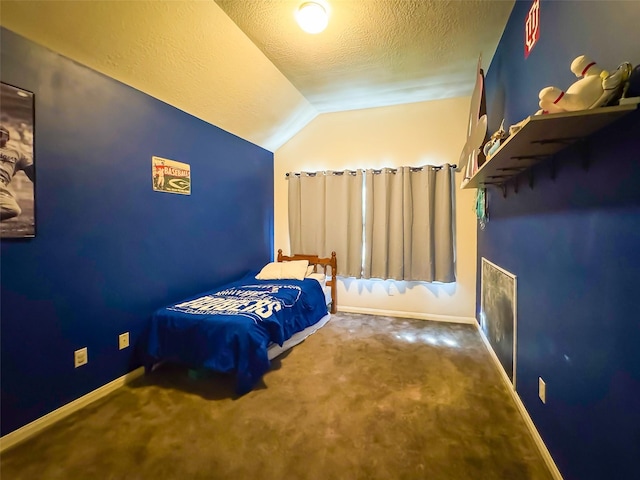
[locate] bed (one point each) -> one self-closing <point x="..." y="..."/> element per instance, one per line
<point x="241" y="326"/>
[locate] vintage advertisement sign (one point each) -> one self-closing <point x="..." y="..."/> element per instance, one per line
<point x="532" y="28"/>
<point x="170" y="176"/>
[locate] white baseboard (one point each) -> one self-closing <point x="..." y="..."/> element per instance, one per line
<point x="546" y="455"/>
<point x="18" y="436"/>
<point x="417" y="315"/>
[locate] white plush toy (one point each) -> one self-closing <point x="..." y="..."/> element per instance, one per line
<point x="595" y="88"/>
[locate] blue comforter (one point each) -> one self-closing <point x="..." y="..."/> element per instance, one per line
<point x="228" y="329"/>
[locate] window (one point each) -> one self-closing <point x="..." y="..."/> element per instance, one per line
<point x="392" y="223"/>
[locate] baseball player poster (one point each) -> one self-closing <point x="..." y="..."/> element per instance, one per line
<point x="170" y="176"/>
<point x="17" y="171"/>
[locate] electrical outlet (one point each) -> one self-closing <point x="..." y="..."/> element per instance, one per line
<point x="542" y="390"/>
<point x="123" y="340"/>
<point x="80" y="357"/>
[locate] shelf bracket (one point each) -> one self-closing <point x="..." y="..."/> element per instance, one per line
<point x="504" y="190"/>
<point x="528" y="157"/>
<point x="512" y="169"/>
<point x="561" y="141"/>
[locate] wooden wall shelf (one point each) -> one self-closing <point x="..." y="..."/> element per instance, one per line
<point x="540" y="137"/>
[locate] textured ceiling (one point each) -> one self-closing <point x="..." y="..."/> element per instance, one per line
<point x="376" y="52"/>
<point x="186" y="53"/>
<point x="245" y="66"/>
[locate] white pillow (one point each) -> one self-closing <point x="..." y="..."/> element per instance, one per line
<point x="320" y="277"/>
<point x="295" y="269"/>
<point x="310" y="270"/>
<point x="271" y="271"/>
<point x="284" y="270"/>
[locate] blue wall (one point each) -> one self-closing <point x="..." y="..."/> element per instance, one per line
<point x="574" y="244"/>
<point x="109" y="250"/>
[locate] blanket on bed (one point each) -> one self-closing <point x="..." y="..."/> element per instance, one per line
<point x="228" y="329"/>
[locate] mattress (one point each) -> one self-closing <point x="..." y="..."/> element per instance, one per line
<point x="322" y="279"/>
<point x="231" y="328"/>
<point x="274" y="349"/>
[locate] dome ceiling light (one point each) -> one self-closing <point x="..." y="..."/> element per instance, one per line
<point x="312" y="17"/>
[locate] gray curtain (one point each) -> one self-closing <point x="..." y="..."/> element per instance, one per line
<point x="325" y="215"/>
<point x="408" y="221"/>
<point x="295" y="233"/>
<point x="343" y="224"/>
<point x="383" y="241"/>
<point x="307" y="213"/>
<point x="409" y="224"/>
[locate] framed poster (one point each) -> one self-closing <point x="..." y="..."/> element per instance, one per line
<point x="17" y="168"/>
<point x="170" y="176"/>
<point x="498" y="314"/>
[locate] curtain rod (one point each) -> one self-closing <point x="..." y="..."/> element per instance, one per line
<point x="313" y="174"/>
<point x="375" y="171"/>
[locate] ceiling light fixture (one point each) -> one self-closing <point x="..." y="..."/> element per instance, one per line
<point x="312" y="17"/>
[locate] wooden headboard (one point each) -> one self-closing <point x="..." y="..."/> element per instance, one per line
<point x="320" y="263"/>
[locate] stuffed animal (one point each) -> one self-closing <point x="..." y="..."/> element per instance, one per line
<point x="632" y="88"/>
<point x="494" y="142"/>
<point x="596" y="88"/>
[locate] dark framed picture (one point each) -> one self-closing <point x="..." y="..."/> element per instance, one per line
<point x="498" y="314"/>
<point x="17" y="168"/>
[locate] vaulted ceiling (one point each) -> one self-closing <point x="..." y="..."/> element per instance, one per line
<point x="245" y="66"/>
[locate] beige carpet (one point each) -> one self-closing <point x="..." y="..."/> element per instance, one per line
<point x="366" y="397"/>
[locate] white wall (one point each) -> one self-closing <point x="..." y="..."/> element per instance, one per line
<point x="411" y="134"/>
